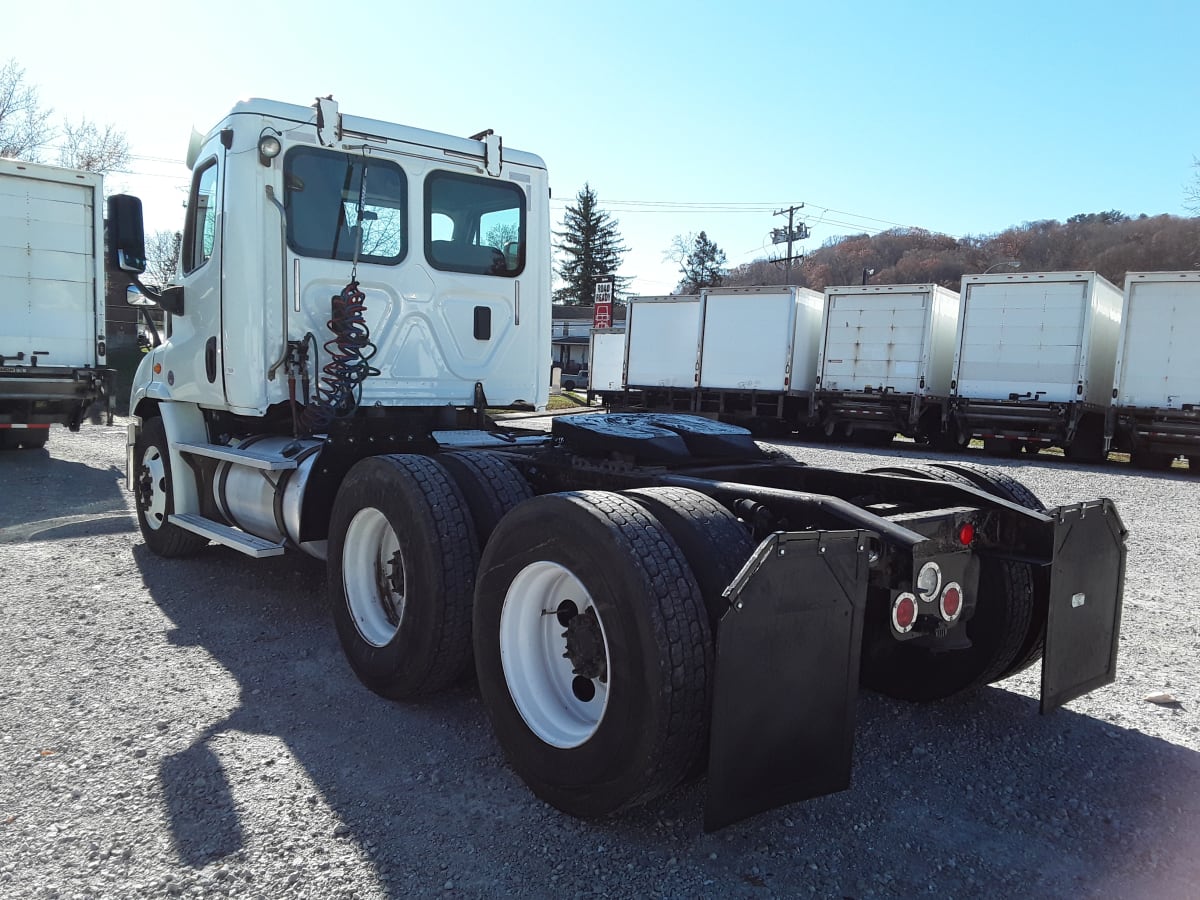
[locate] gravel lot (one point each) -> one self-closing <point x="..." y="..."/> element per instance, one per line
<point x="190" y="728"/>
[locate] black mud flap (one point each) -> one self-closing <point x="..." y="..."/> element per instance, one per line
<point x="786" y="682"/>
<point x="1087" y="579"/>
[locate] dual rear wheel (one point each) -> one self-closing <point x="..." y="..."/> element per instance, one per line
<point x="591" y="620"/>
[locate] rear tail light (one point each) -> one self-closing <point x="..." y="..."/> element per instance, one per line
<point x="951" y="604"/>
<point x="904" y="612"/>
<point x="966" y="533"/>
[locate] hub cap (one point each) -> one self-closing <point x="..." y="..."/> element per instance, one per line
<point x="555" y="654"/>
<point x="373" y="576"/>
<point x="152" y="488"/>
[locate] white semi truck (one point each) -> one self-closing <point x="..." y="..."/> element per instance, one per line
<point x="644" y="597"/>
<point x="53" y="351"/>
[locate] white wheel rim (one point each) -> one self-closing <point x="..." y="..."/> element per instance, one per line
<point x="153" y="490"/>
<point x="374" y="576"/>
<point x="533" y="648"/>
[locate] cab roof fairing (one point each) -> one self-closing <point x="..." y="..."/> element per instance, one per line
<point x="354" y="125"/>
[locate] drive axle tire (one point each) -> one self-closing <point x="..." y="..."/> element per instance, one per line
<point x="154" y="494"/>
<point x="593" y="651"/>
<point x="715" y="544"/>
<point x="1006" y="631"/>
<point x="491" y="485"/>
<point x="401" y="561"/>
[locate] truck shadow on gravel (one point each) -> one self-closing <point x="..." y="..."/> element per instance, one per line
<point x="987" y="787"/>
<point x="39" y="488"/>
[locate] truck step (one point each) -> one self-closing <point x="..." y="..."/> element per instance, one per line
<point x="248" y="456"/>
<point x="249" y="544"/>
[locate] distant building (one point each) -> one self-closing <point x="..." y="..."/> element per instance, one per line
<point x="570" y="334"/>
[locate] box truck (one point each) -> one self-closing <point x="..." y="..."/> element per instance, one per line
<point x="1034" y="361"/>
<point x="1155" y="415"/>
<point x="662" y="335"/>
<point x="635" y="592"/>
<point x="757" y="354"/>
<point x="885" y="360"/>
<point x="52" y="344"/>
<point x="607" y="364"/>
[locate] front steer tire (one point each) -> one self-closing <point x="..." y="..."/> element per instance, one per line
<point x="401" y="563"/>
<point x="154" y="494"/>
<point x="593" y="651"/>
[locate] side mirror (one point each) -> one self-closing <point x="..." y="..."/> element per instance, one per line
<point x="126" y="237"/>
<point x="171" y="299"/>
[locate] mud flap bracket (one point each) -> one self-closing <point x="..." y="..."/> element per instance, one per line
<point x="786" y="682"/>
<point x="1083" y="619"/>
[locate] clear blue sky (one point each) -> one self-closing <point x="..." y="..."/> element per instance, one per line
<point x="963" y="118"/>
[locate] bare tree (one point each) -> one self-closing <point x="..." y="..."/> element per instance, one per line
<point x="24" y="127"/>
<point x="1191" y="193"/>
<point x="89" y="147"/>
<point x="162" y="258"/>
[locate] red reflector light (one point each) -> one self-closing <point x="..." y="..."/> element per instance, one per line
<point x="904" y="613"/>
<point x="951" y="604"/>
<point x="966" y="533"/>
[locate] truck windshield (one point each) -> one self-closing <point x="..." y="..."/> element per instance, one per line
<point x="323" y="221"/>
<point x="474" y="225"/>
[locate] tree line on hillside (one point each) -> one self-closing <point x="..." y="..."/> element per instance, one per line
<point x="1110" y="242"/>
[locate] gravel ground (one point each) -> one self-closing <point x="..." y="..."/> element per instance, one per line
<point x="190" y="728"/>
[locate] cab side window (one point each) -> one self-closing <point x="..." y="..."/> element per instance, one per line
<point x="474" y="225"/>
<point x="200" y="228"/>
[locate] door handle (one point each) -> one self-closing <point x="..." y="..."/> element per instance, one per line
<point x="210" y="359"/>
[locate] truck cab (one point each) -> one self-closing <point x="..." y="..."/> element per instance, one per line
<point x="288" y="204"/>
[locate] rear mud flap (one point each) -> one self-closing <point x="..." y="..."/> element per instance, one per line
<point x="1083" y="621"/>
<point x="786" y="682"/>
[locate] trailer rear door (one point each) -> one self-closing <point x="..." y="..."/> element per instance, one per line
<point x="1022" y="340"/>
<point x="1162" y="333"/>
<point x="875" y="341"/>
<point x="48" y="258"/>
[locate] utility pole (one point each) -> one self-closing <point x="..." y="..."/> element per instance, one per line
<point x="788" y="235"/>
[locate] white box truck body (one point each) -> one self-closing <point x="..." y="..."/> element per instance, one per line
<point x="758" y="351"/>
<point x="52" y="344"/>
<point x="1035" y="359"/>
<point x="886" y="357"/>
<point x="662" y="340"/>
<point x="1156" y="387"/>
<point x="606" y="361"/>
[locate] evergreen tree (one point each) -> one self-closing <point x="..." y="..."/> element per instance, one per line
<point x="702" y="266"/>
<point x="589" y="246"/>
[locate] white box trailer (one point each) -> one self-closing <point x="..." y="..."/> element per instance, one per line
<point x="758" y="351"/>
<point x="52" y="343"/>
<point x="1035" y="360"/>
<point x="606" y="361"/>
<point x="662" y="339"/>
<point x="1156" y="387"/>
<point x="885" y="360"/>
